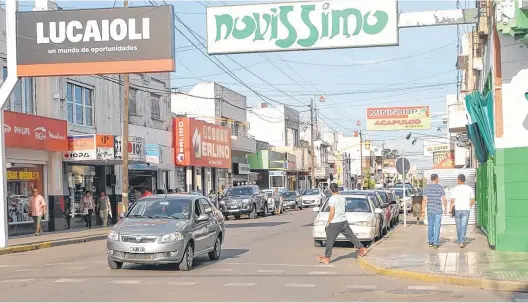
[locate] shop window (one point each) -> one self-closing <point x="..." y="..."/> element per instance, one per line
<point x="132" y="104"/>
<point x="80" y="179"/>
<point x="21" y="99"/>
<point x="79" y="101"/>
<point x="21" y="180"/>
<point x="155" y="107"/>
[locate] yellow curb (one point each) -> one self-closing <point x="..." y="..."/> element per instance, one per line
<point x="502" y="285"/>
<point x="23" y="248"/>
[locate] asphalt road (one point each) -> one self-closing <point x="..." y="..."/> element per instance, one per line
<point x="266" y="259"/>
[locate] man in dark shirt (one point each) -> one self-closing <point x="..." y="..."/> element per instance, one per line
<point x="433" y="198"/>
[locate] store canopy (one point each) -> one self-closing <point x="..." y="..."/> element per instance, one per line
<point x="474" y="135"/>
<point x="480" y="109"/>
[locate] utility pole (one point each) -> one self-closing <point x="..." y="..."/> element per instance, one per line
<point x="382" y="164"/>
<point x="124" y="139"/>
<point x="312" y="135"/>
<point x="361" y="158"/>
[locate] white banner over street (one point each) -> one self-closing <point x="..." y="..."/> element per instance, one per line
<point x="301" y="26"/>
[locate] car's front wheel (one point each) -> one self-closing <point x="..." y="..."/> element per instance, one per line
<point x="188" y="258"/>
<point x="265" y="211"/>
<point x="114" y="265"/>
<point x="318" y="243"/>
<point x="253" y="213"/>
<point x="217" y="251"/>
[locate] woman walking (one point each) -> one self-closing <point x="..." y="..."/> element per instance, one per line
<point x="277" y="199"/>
<point x="88" y="208"/>
<point x="103" y="205"/>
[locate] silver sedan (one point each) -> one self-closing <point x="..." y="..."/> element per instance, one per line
<point x="165" y="229"/>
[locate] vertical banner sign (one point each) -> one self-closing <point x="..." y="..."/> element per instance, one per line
<point x="104" y="147"/>
<point x="398" y="118"/>
<point x="95" y="41"/>
<point x="136" y="148"/>
<point x="301" y="26"/>
<point x="201" y="144"/>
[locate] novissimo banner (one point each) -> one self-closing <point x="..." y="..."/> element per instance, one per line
<point x="95" y="41"/>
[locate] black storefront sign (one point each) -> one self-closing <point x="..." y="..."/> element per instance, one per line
<point x="261" y="145"/>
<point x="242" y="160"/>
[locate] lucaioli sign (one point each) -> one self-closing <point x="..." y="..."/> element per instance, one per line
<point x="301" y="26"/>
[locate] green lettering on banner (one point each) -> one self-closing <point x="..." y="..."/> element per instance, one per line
<point x="328" y="24"/>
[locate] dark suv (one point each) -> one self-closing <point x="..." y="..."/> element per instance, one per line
<point x="244" y="200"/>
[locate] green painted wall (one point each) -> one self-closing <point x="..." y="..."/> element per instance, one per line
<point x="259" y="160"/>
<point x="511" y="173"/>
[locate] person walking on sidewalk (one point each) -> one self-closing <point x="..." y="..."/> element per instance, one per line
<point x="462" y="199"/>
<point x="37" y="209"/>
<point x="103" y="205"/>
<point x="88" y="208"/>
<point x="433" y="199"/>
<point x="338" y="224"/>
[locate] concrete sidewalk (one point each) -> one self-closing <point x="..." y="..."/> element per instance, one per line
<point x="406" y="254"/>
<point x="30" y="242"/>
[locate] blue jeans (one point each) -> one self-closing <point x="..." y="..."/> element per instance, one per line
<point x="461" y="220"/>
<point x="433" y="234"/>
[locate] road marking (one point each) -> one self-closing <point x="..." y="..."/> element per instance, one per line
<point x="322" y="273"/>
<point x="69" y="281"/>
<point x="270" y="271"/>
<point x="240" y="284"/>
<point x="362" y="286"/>
<point x="60" y="263"/>
<point x="221" y="269"/>
<point x="183" y="283"/>
<point x="126" y="282"/>
<point x="423" y="287"/>
<point x="5" y="266"/>
<point x="80" y="267"/>
<point x="17" y="280"/>
<point x="520" y="299"/>
<point x="28" y="269"/>
<point x="300" y="285"/>
<point x="285" y="265"/>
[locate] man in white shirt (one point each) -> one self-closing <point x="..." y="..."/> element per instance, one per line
<point x="338" y="224"/>
<point x="462" y="198"/>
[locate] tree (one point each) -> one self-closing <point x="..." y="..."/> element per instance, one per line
<point x="368" y="183"/>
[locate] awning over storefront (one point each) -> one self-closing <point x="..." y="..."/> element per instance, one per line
<point x="480" y="131"/>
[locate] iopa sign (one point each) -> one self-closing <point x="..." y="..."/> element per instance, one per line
<point x="95" y="41"/>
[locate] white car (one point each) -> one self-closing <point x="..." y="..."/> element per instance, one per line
<point x="404" y="203"/>
<point x="313" y="197"/>
<point x="361" y="215"/>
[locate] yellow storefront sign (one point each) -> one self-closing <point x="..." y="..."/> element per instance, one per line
<point x="398" y="118"/>
<point x="22" y="175"/>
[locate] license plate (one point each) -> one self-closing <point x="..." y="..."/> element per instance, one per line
<point x="137" y="249"/>
<point x="233" y="207"/>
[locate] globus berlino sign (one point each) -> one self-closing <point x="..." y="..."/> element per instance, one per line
<point x="398" y="118"/>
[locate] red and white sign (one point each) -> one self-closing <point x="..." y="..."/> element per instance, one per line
<point x="197" y="143"/>
<point x="398" y="118"/>
<point x="35" y="132"/>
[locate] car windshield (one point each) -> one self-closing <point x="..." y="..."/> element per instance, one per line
<point x="240" y="191"/>
<point x="289" y="194"/>
<point x="179" y="208"/>
<point x="310" y="192"/>
<point x="383" y="197"/>
<point x="353" y="205"/>
<point x="399" y="192"/>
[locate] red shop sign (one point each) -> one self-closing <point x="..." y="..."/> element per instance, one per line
<point x="35" y="132"/>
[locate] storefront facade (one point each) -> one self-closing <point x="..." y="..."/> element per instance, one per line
<point x="33" y="161"/>
<point x="204" y="151"/>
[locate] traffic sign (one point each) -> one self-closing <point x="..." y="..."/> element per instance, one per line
<point x="402" y="166"/>
<point x="322" y="98"/>
<point x="358" y="123"/>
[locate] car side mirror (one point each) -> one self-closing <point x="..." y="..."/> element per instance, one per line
<point x="378" y="211"/>
<point x="393" y="202"/>
<point x="202" y="218"/>
<point x="316" y="209"/>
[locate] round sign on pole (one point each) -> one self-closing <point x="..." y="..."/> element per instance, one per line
<point x="403" y="165"/>
<point x="358" y="123"/>
<point x="322" y="98"/>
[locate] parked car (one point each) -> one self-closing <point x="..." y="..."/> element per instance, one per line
<point x="378" y="202"/>
<point x="163" y="229"/>
<point x="244" y="200"/>
<point x="269" y="199"/>
<point x="292" y="200"/>
<point x="313" y="197"/>
<point x="404" y="203"/>
<point x="362" y="214"/>
<point x="394" y="208"/>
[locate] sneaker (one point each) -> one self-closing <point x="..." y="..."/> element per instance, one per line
<point x="436" y="246"/>
<point x="461" y="245"/>
<point x="431" y="245"/>
<point x="361" y="252"/>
